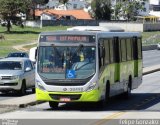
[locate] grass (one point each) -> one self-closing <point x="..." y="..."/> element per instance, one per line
<point x="20" y="35"/>
<point x="30" y="46"/>
<point x="151" y="37"/>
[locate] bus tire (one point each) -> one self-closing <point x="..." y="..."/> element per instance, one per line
<point x="104" y="102"/>
<point x="53" y="105"/>
<point x="127" y="94"/>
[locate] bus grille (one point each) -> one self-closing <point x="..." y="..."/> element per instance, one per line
<point x="58" y="96"/>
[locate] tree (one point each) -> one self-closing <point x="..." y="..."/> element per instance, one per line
<point x="101" y="9"/>
<point x="10" y="8"/>
<point x="128" y="9"/>
<point x="65" y="2"/>
<point x="117" y="11"/>
<point x="34" y="3"/>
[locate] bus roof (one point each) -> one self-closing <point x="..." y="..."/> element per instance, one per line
<point x="96" y="28"/>
<point x="99" y="33"/>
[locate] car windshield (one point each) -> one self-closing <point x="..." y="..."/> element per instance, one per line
<point x="17" y="55"/>
<point x="10" y="65"/>
<point x="66" y="62"/>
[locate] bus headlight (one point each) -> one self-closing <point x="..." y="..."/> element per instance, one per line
<point x="91" y="86"/>
<point x="39" y="85"/>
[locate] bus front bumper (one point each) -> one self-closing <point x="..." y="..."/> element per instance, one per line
<point x="91" y="96"/>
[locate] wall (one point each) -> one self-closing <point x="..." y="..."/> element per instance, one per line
<point x="125" y="26"/>
<point x="32" y="23"/>
<point x="140" y="27"/>
<point x="128" y="26"/>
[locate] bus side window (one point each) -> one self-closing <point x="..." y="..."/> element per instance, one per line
<point x="123" y="50"/>
<point x="101" y="51"/>
<point x="135" y="51"/>
<point x="129" y="49"/>
<point x="139" y="45"/>
<point x="111" y="48"/>
<point x="107" y="51"/>
<point x="116" y="44"/>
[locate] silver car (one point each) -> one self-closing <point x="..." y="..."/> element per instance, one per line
<point x="16" y="74"/>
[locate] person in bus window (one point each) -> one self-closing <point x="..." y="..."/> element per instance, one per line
<point x="51" y="60"/>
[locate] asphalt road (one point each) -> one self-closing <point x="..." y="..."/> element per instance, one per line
<point x="5" y="96"/>
<point x="144" y="103"/>
<point x="151" y="58"/>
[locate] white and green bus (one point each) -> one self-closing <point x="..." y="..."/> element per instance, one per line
<point x="87" y="66"/>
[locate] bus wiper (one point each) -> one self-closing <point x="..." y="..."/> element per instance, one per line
<point x="43" y="77"/>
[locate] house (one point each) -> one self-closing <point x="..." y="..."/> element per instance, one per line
<point x="154" y="8"/>
<point x="51" y="14"/>
<point x="72" y="4"/>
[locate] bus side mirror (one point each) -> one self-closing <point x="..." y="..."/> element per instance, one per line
<point x="36" y="54"/>
<point x="33" y="54"/>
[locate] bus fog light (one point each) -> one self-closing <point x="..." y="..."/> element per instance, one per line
<point x="39" y="85"/>
<point x="91" y="86"/>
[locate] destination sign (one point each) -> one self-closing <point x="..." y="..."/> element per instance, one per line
<point x="67" y="38"/>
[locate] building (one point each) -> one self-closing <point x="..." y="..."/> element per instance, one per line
<point x="154" y="8"/>
<point x="52" y="14"/>
<point x="72" y="4"/>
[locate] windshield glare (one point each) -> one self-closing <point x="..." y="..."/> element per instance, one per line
<point x="10" y="65"/>
<point x="66" y="62"/>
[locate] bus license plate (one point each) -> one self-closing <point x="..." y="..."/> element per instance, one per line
<point x="65" y="99"/>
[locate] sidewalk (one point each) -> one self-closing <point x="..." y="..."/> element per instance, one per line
<point x="24" y="101"/>
<point x="20" y="101"/>
<point x="151" y="69"/>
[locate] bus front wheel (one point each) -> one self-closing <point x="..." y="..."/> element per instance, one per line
<point x="103" y="102"/>
<point x="53" y="105"/>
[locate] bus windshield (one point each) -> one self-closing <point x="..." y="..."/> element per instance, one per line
<point x="66" y="62"/>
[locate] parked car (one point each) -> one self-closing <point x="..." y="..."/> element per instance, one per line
<point x="16" y="74"/>
<point x="18" y="54"/>
<point x="3" y="23"/>
<point x="158" y="46"/>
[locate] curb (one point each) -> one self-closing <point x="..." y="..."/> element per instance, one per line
<point x="152" y="71"/>
<point x="20" y="102"/>
<point x="30" y="104"/>
<point x="24" y="105"/>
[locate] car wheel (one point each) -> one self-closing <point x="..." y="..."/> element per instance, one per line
<point x="53" y="105"/>
<point x="33" y="90"/>
<point x="22" y="91"/>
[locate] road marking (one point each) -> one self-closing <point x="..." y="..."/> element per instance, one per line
<point x="108" y="118"/>
<point x="117" y="114"/>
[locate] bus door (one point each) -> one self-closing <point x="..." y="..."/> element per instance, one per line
<point x="137" y="56"/>
<point x="117" y="59"/>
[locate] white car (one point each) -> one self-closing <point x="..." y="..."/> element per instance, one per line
<point x="16" y="74"/>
